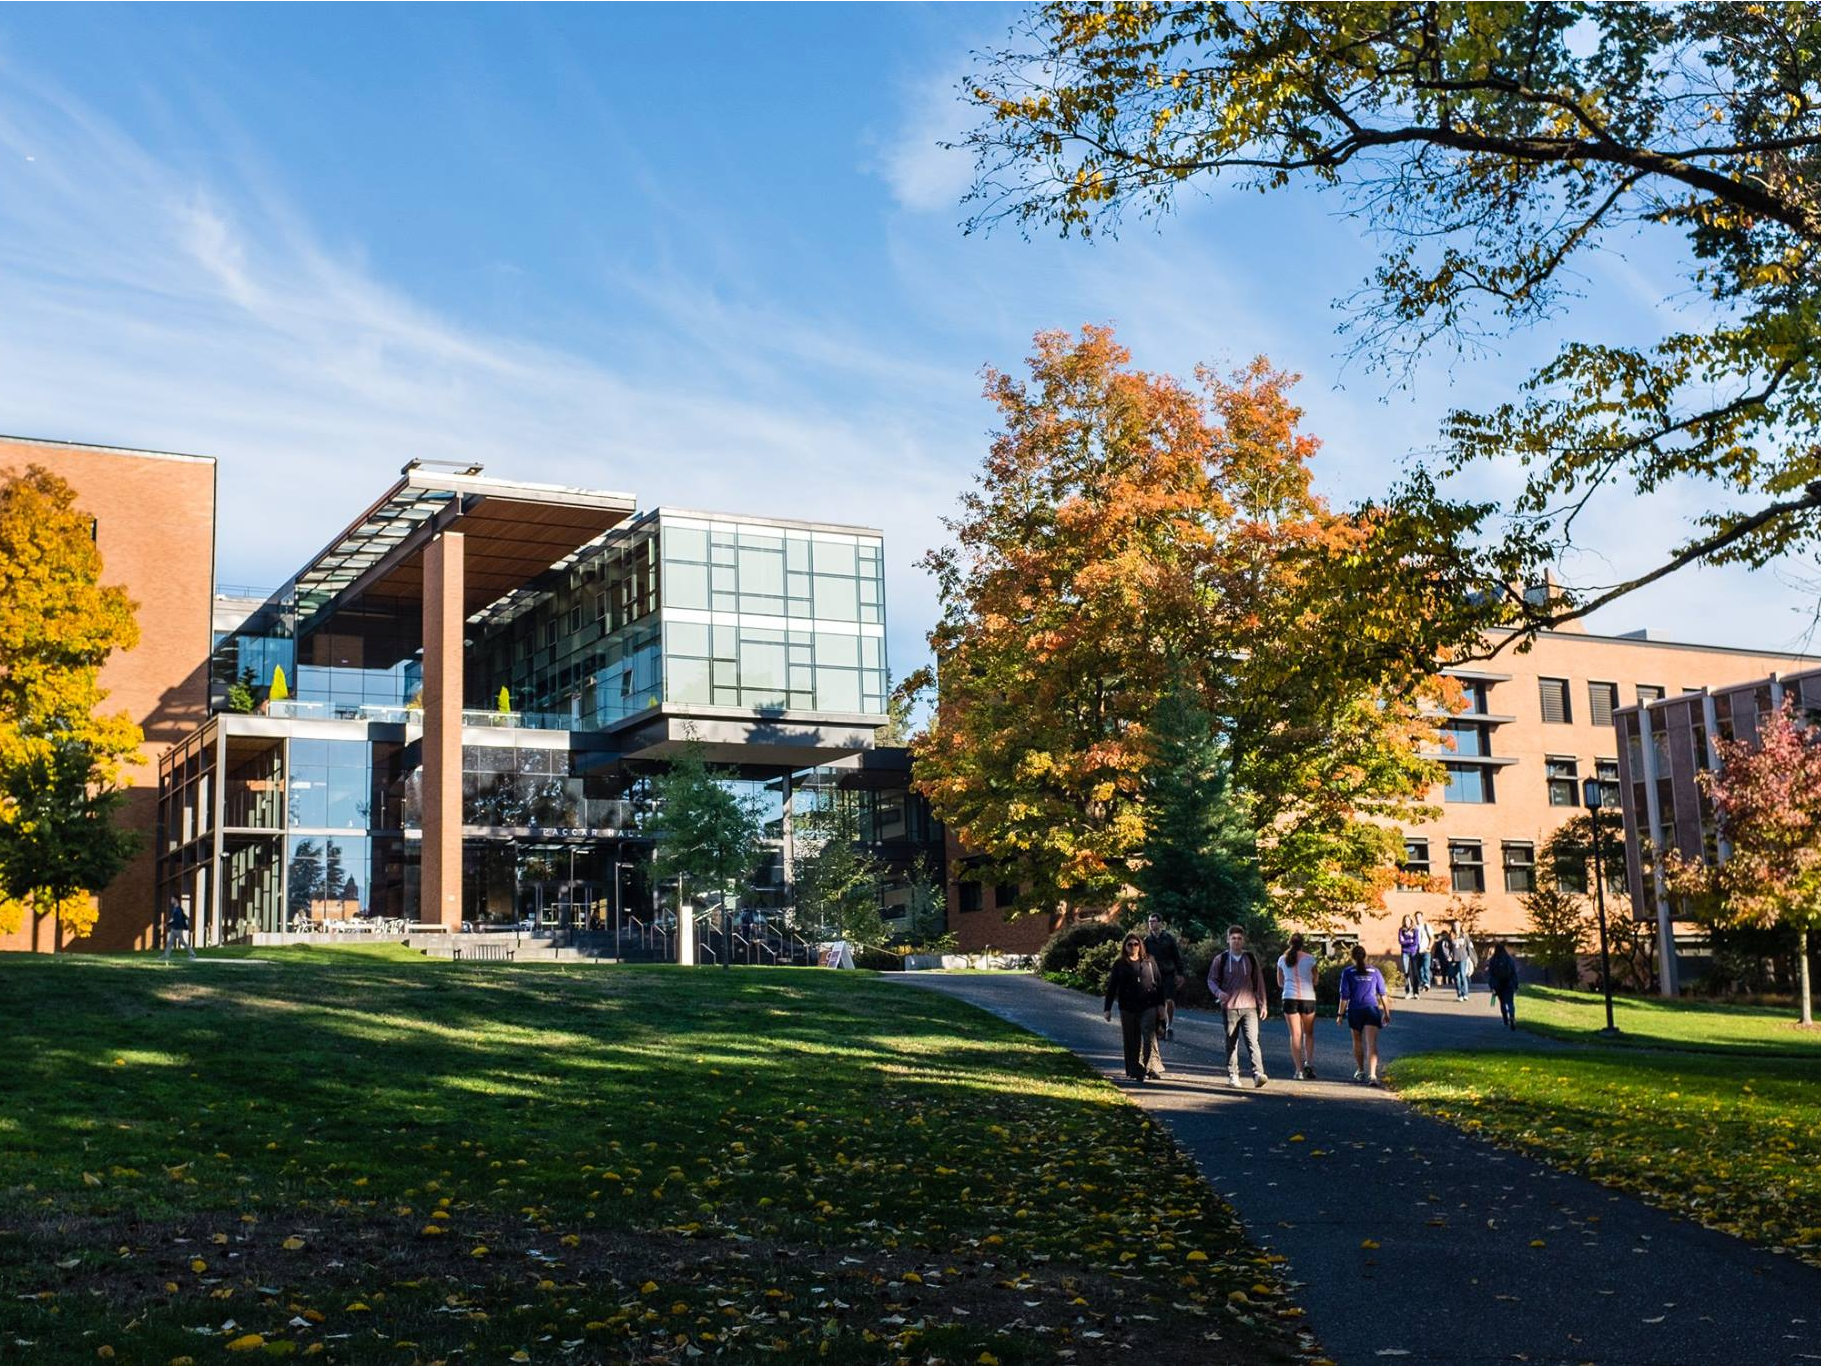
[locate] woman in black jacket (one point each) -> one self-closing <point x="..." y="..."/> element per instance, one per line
<point x="1136" y="982"/>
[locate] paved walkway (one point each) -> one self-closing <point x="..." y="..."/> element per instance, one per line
<point x="1454" y="1277"/>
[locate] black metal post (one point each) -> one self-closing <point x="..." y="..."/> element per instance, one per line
<point x="1593" y="798"/>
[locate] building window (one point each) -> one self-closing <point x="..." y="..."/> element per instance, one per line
<point x="1470" y="737"/>
<point x="1475" y="690"/>
<point x="1571" y="875"/>
<point x="1415" y="861"/>
<point x="1554" y="693"/>
<point x="1467" y="783"/>
<point x="1564" y="781"/>
<point x="1649" y="692"/>
<point x="1602" y="701"/>
<point x="1005" y="895"/>
<point x="1520" y="867"/>
<point x="970" y="896"/>
<point x="1607" y="771"/>
<point x="1466" y="866"/>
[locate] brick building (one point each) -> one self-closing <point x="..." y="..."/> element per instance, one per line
<point x="155" y="526"/>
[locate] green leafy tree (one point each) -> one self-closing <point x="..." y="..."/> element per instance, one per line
<point x="1557" y="932"/>
<point x="63" y="759"/>
<point x="926" y="904"/>
<point x="241" y="697"/>
<point x="61" y="842"/>
<point x="837" y="877"/>
<point x="705" y="834"/>
<point x="1493" y="148"/>
<point x="1199" y="867"/>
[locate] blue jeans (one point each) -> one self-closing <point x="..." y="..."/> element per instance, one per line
<point x="1409" y="973"/>
<point x="1462" y="973"/>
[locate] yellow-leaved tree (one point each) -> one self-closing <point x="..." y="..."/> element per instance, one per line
<point x="63" y="760"/>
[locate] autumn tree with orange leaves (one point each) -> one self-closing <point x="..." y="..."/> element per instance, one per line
<point x="63" y="758"/>
<point x="1130" y="534"/>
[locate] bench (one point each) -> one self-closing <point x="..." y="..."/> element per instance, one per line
<point x="484" y="953"/>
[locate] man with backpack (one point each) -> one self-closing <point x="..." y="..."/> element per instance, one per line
<point x="1163" y="949"/>
<point x="1237" y="984"/>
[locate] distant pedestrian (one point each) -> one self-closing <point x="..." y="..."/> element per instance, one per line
<point x="1406" y="951"/>
<point x="176" y="930"/>
<point x="1501" y="976"/>
<point x="1296" y="982"/>
<point x="1162" y="946"/>
<point x="1365" y="1008"/>
<point x="1137" y="985"/>
<point x="1444" y="958"/>
<point x="1425" y="944"/>
<point x="1465" y="958"/>
<point x="1237" y="984"/>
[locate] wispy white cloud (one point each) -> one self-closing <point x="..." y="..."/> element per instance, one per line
<point x="147" y="305"/>
<point x="916" y="159"/>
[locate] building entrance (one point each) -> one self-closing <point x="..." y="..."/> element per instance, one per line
<point x="548" y="884"/>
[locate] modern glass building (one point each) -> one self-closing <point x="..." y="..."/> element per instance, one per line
<point x="460" y="703"/>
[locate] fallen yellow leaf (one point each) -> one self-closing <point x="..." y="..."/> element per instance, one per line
<point x="293" y="1244"/>
<point x="247" y="1342"/>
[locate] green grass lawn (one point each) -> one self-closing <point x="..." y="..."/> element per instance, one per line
<point x="1653" y="1022"/>
<point x="362" y="1156"/>
<point x="1731" y="1143"/>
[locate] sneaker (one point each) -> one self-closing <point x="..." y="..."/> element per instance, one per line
<point x="1359" y="1074"/>
<point x="1309" y="1073"/>
<point x="1259" y="1081"/>
<point x="1233" y="1081"/>
<point x="1375" y="1083"/>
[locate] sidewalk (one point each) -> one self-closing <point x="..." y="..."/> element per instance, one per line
<point x="1315" y="1169"/>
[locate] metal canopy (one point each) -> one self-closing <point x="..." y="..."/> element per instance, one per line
<point x="514" y="532"/>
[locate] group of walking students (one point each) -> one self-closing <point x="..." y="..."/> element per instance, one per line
<point x="1150" y="972"/>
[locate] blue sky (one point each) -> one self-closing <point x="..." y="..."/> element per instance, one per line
<point x="707" y="254"/>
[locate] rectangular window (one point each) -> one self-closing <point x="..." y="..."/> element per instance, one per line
<point x="1467" y="783"/>
<point x="1649" y="692"/>
<point x="970" y="896"/>
<point x="1005" y="896"/>
<point x="1469" y="737"/>
<point x="1607" y="771"/>
<point x="1415" y="861"/>
<point x="1554" y="694"/>
<point x="1571" y="875"/>
<point x="1602" y="701"/>
<point x="1520" y="867"/>
<point x="1466" y="866"/>
<point x="1564" y="781"/>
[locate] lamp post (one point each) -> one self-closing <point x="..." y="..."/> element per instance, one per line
<point x="1593" y="797"/>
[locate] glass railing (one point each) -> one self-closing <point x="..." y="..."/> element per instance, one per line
<point x="291" y="707"/>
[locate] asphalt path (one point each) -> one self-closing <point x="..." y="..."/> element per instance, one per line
<point x="1319" y="1170"/>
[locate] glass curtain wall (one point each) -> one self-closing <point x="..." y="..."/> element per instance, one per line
<point x="696" y="611"/>
<point x="772" y="617"/>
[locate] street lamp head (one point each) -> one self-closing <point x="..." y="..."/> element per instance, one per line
<point x="1593" y="795"/>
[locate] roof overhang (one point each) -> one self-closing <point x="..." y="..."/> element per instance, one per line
<point x="513" y="532"/>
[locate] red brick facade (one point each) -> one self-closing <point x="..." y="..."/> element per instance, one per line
<point x="155" y="526"/>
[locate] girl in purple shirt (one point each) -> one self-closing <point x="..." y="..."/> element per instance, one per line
<point x="1366" y="1008"/>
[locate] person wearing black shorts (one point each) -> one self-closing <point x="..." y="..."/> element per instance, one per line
<point x="1296" y="984"/>
<point x="1365" y="1008"/>
<point x="1161" y="946"/>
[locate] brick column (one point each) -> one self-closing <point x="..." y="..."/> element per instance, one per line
<point x="444" y="621"/>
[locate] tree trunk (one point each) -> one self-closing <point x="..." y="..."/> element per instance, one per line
<point x="1802" y="992"/>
